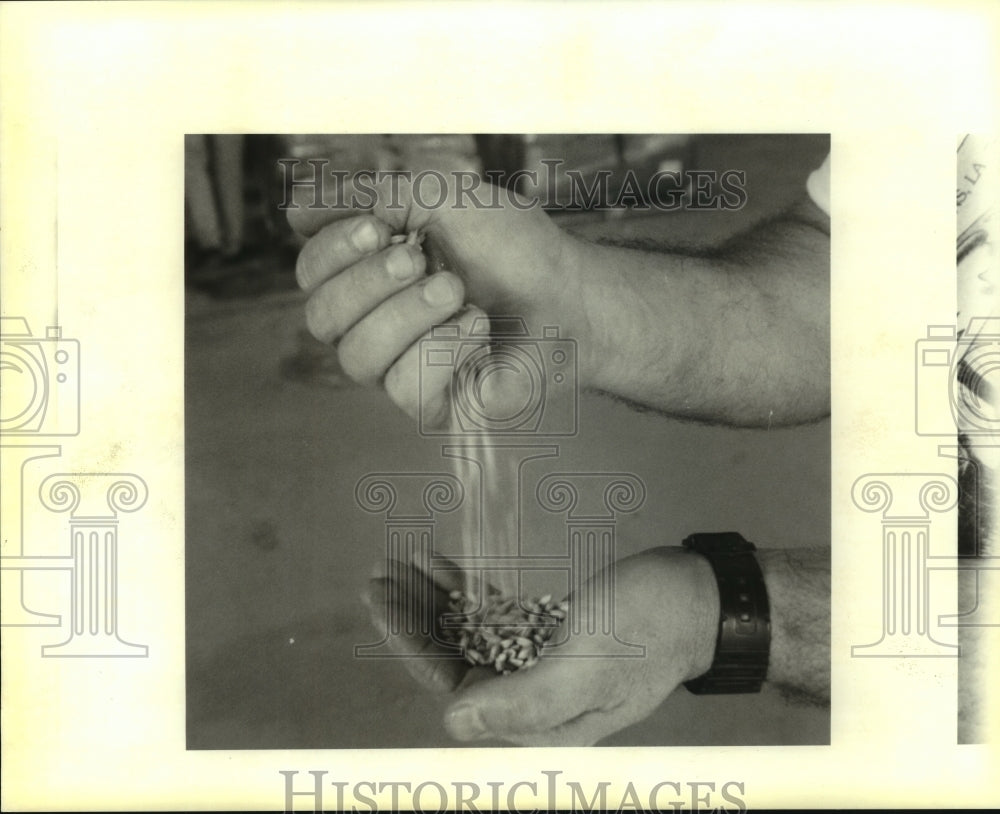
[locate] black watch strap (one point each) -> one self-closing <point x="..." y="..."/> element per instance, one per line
<point x="744" y="639"/>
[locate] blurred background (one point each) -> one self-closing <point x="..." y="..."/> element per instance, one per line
<point x="277" y="549"/>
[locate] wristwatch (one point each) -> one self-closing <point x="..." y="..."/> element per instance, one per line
<point x="744" y="639"/>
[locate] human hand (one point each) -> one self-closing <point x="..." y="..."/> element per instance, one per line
<point x="377" y="300"/>
<point x="665" y="600"/>
<point x="410" y="602"/>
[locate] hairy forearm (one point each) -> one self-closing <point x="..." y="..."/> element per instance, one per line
<point x="737" y="335"/>
<point x="798" y="588"/>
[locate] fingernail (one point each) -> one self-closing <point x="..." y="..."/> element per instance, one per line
<point x="365" y="237"/>
<point x="400" y="264"/>
<point x="439" y="290"/>
<point x="464" y="723"/>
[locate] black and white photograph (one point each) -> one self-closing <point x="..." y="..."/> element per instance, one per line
<point x="549" y="388"/>
<point x="498" y="406"/>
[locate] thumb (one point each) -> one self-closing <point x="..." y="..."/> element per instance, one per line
<point x="521" y="704"/>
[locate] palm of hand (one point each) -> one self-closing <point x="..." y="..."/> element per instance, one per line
<point x="583" y="690"/>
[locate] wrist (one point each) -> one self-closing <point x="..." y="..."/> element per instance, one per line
<point x="670" y="604"/>
<point x="601" y="316"/>
<point x="638" y="322"/>
<point x="575" y="308"/>
<point x="705" y="631"/>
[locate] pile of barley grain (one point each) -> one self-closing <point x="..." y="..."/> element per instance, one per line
<point x="501" y="632"/>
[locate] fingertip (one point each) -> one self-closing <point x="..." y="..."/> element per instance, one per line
<point x="337" y="246"/>
<point x="528" y="702"/>
<point x="307" y="213"/>
<point x="318" y="200"/>
<point x="403" y="264"/>
<point x="368" y="234"/>
<point x="464" y="722"/>
<point x="295" y="216"/>
<point x="443" y="290"/>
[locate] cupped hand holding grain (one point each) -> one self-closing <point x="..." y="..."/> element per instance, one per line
<point x="376" y="298"/>
<point x="666" y="600"/>
<point x="401" y="597"/>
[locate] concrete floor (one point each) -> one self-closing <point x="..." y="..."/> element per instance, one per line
<point x="278" y="551"/>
